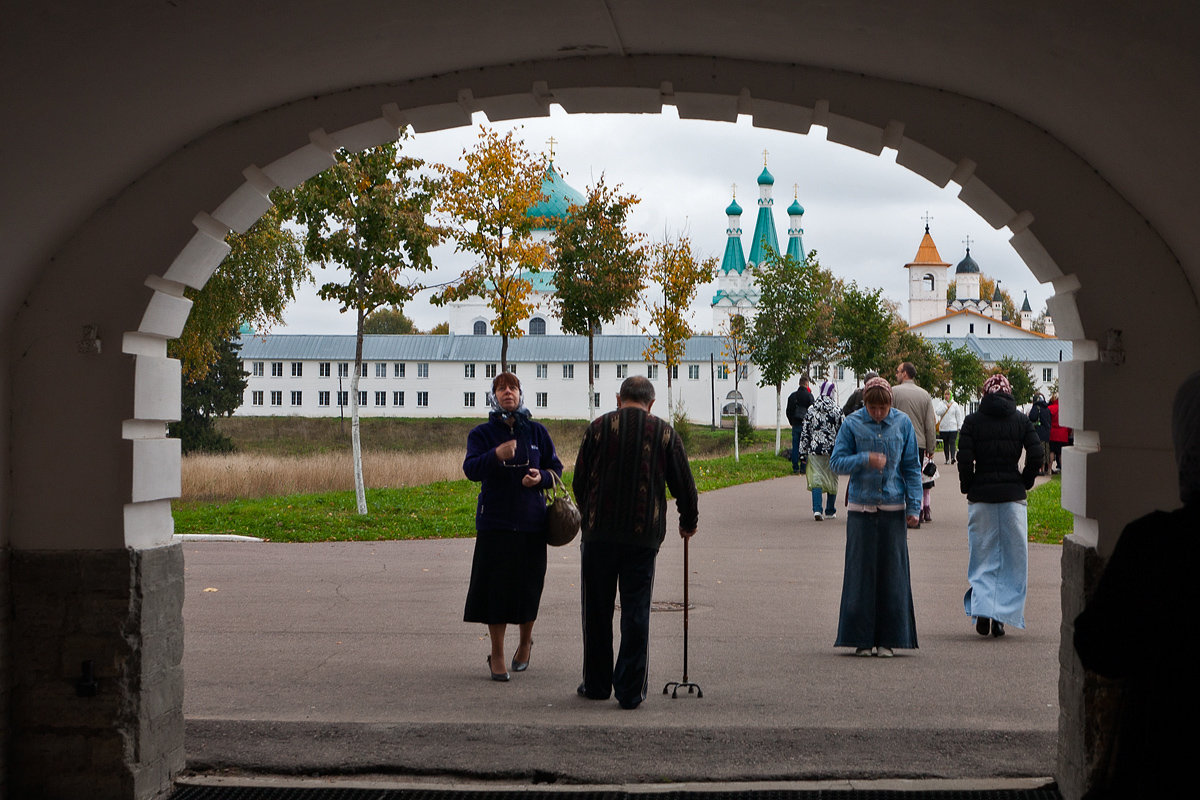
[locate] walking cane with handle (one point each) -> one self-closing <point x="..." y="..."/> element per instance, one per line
<point x="684" y="683"/>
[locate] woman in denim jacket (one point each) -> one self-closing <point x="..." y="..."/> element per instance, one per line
<point x="877" y="448"/>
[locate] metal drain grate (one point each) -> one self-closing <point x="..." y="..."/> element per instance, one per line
<point x="193" y="792"/>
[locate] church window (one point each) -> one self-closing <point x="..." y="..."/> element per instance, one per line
<point x="989" y="327"/>
<point x="480" y="328"/>
<point x="1047" y="374"/>
<point x="947" y="327"/>
<point x="972" y="327"/>
<point x="927" y="283"/>
<point x="537" y="327"/>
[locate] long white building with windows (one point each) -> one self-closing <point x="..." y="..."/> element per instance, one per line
<point x="450" y="375"/>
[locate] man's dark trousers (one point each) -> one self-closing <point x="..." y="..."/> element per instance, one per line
<point x="605" y="566"/>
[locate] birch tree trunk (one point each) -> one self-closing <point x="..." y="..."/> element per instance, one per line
<point x="778" y="424"/>
<point x="360" y="492"/>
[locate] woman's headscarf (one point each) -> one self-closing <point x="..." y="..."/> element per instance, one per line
<point x="827" y="388"/>
<point x="878" y="382"/>
<point x="997" y="383"/>
<point x="1185" y="433"/>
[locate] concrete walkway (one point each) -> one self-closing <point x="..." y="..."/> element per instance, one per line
<point x="352" y="658"/>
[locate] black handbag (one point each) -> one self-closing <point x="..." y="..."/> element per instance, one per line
<point x="562" y="516"/>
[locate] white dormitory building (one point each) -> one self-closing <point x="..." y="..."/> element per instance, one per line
<point x="451" y="374"/>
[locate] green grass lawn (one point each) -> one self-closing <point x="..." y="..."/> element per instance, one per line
<point x="447" y="509"/>
<point x="1049" y="522"/>
<point x="436" y="510"/>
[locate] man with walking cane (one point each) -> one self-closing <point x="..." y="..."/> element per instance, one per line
<point x="626" y="461"/>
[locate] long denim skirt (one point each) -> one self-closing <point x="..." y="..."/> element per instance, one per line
<point x="877" y="604"/>
<point x="998" y="561"/>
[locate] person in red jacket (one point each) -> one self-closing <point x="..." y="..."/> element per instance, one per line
<point x="1059" y="436"/>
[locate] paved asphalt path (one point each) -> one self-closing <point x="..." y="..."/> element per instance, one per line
<point x="352" y="658"/>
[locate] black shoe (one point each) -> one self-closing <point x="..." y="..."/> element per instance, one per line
<point x="983" y="625"/>
<point x="582" y="692"/>
<point x="997" y="629"/>
<point x="521" y="666"/>
<point x="629" y="706"/>
<point x="503" y="677"/>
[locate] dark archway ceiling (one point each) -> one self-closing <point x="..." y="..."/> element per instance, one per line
<point x="95" y="94"/>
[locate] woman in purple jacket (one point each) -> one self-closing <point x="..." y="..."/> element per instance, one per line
<point x="511" y="455"/>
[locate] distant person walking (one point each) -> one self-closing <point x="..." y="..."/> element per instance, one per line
<point x="626" y="461"/>
<point x="855" y="401"/>
<point x="511" y="456"/>
<point x="916" y="403"/>
<point x="819" y="432"/>
<point x="1039" y="415"/>
<point x="1059" y="436"/>
<point x="877" y="448"/>
<point x="797" y="406"/>
<point x="950" y="417"/>
<point x="1127" y="630"/>
<point x="990" y="445"/>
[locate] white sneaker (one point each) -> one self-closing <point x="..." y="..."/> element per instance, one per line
<point x="817" y="516"/>
<point x="884" y="652"/>
<point x="863" y="651"/>
<point x="831" y="515"/>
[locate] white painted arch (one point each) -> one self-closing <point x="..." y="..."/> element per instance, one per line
<point x="124" y="268"/>
<point x="941" y="137"/>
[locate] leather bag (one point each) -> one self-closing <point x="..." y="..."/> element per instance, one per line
<point x="562" y="516"/>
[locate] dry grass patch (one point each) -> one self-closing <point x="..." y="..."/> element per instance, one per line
<point x="246" y="475"/>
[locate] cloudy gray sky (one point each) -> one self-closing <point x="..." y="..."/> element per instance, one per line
<point x="864" y="215"/>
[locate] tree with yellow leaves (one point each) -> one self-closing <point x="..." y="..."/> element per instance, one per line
<point x="679" y="273"/>
<point x="487" y="203"/>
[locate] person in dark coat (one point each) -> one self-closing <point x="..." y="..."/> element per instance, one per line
<point x="855" y="401"/>
<point x="990" y="443"/>
<point x="1129" y="627"/>
<point x="627" y="461"/>
<point x="797" y="408"/>
<point x="1039" y="415"/>
<point x="512" y="457"/>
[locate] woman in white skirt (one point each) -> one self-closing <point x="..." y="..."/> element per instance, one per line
<point x="990" y="444"/>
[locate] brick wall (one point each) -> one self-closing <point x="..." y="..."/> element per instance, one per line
<point x="1087" y="703"/>
<point x="121" y="610"/>
<point x="5" y="668"/>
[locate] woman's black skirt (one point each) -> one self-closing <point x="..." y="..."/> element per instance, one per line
<point x="508" y="572"/>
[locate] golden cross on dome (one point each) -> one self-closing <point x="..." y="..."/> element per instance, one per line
<point x="796" y="191"/>
<point x="733" y="186"/>
<point x="967" y="242"/>
<point x="764" y="159"/>
<point x="551" y="141"/>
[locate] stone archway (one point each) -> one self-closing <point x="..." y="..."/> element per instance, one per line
<point x="1012" y="173"/>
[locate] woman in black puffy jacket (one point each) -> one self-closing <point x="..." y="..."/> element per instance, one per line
<point x="990" y="444"/>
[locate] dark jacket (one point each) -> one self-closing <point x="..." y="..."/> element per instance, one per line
<point x="626" y="461"/>
<point x="1121" y="635"/>
<point x="989" y="451"/>
<point x="854" y="403"/>
<point x="504" y="503"/>
<point x="1039" y="415"/>
<point x="797" y="405"/>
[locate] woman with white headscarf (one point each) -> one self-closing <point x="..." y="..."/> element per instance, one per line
<point x="1136" y="626"/>
<point x="990" y="443"/>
